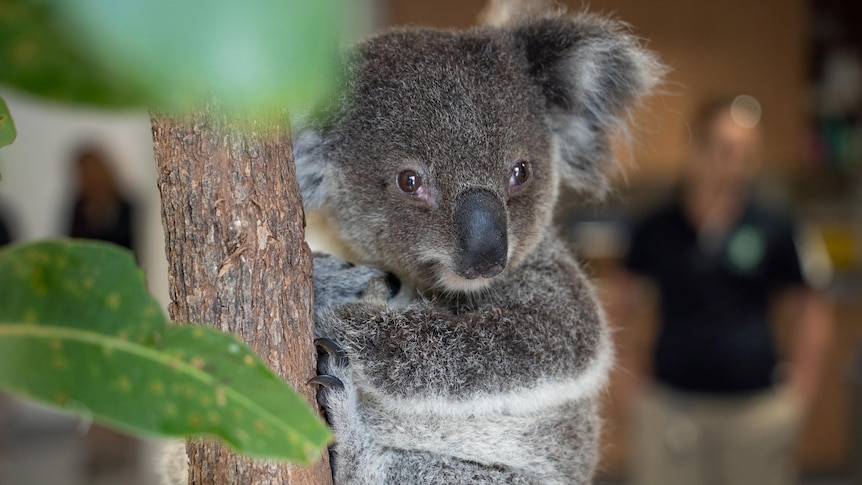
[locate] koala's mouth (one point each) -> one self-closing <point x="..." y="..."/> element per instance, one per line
<point x="452" y="281"/>
<point x="438" y="274"/>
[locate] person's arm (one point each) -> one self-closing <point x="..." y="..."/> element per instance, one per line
<point x="812" y="333"/>
<point x="632" y="304"/>
<point x="633" y="300"/>
<point x="810" y="309"/>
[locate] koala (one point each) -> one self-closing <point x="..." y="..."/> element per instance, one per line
<point x="462" y="343"/>
<point x="439" y="165"/>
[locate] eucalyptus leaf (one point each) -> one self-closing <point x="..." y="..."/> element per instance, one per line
<point x="79" y="330"/>
<point x="252" y="55"/>
<point x="7" y="126"/>
<point x="40" y="55"/>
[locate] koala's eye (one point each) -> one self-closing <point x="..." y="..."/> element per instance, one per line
<point x="520" y="174"/>
<point x="409" y="181"/>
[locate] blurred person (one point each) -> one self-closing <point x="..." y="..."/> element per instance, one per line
<point x="100" y="210"/>
<point x="5" y="232"/>
<point x="5" y="239"/>
<point x="721" y="407"/>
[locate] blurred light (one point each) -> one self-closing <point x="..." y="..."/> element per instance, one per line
<point x="745" y="111"/>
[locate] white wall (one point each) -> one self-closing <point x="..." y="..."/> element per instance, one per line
<point x="36" y="189"/>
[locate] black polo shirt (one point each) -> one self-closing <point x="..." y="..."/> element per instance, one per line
<point x="715" y="336"/>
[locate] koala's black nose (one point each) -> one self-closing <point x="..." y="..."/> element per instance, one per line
<point x="480" y="228"/>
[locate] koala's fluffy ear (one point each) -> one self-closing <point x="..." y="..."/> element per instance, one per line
<point x="590" y="70"/>
<point x="311" y="165"/>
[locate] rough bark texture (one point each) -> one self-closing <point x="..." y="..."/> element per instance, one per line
<point x="233" y="221"/>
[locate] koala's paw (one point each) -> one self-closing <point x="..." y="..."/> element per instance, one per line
<point x="337" y="281"/>
<point x="332" y="371"/>
<point x="337" y="396"/>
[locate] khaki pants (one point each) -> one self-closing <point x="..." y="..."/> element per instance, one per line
<point x="685" y="439"/>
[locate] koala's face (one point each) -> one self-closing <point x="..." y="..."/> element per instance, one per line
<point x="442" y="162"/>
<point x="443" y="171"/>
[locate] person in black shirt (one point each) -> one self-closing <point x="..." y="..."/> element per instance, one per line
<point x="100" y="210"/>
<point x="5" y="232"/>
<point x="720" y="412"/>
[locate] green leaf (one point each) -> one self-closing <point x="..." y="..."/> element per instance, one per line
<point x="252" y="56"/>
<point x="7" y="126"/>
<point x="40" y="55"/>
<point x="78" y="330"/>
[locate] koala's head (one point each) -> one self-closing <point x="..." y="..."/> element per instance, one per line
<point x="441" y="160"/>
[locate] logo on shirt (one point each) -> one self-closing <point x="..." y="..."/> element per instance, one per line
<point x="746" y="248"/>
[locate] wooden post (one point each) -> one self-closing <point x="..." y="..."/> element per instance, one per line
<point x="234" y="231"/>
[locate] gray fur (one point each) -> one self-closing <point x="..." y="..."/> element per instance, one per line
<point x="588" y="71"/>
<point x="496" y="388"/>
<point x="589" y="74"/>
<point x="472" y="380"/>
<point x="308" y="146"/>
<point x="337" y="282"/>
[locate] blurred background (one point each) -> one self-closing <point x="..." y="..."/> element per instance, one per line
<point x="801" y="59"/>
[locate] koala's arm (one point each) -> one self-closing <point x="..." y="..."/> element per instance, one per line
<point x="376" y="446"/>
<point x="436" y="393"/>
<point x="539" y="328"/>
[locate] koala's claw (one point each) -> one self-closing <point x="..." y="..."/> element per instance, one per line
<point x="329" y="349"/>
<point x="330" y="355"/>
<point x="328" y="382"/>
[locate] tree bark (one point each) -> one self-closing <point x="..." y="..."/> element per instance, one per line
<point x="234" y="231"/>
